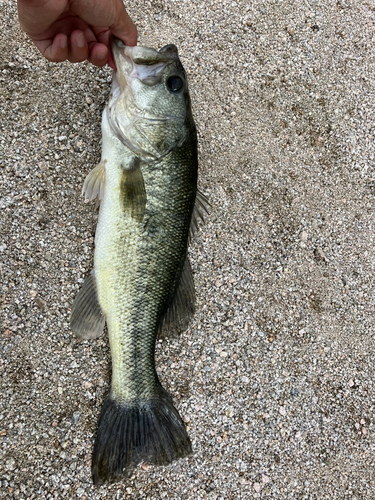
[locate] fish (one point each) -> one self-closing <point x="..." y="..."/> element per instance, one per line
<point x="142" y="282"/>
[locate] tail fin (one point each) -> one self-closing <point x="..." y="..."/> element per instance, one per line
<point x="150" y="431"/>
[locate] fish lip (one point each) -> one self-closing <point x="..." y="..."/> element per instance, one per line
<point x="143" y="55"/>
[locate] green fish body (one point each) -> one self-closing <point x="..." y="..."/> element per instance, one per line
<point x="142" y="280"/>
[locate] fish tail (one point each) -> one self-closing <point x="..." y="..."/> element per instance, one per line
<point x="150" y="431"/>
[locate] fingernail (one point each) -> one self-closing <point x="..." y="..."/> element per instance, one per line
<point x="80" y="40"/>
<point x="63" y="42"/>
<point x="101" y="55"/>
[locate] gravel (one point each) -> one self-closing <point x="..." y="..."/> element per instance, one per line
<point x="275" y="376"/>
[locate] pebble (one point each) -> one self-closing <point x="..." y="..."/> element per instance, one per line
<point x="10" y="464"/>
<point x="257" y="487"/>
<point x="282" y="411"/>
<point x="75" y="417"/>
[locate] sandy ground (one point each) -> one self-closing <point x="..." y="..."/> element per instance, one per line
<point x="275" y="376"/>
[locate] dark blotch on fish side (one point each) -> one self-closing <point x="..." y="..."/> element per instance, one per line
<point x="133" y="191"/>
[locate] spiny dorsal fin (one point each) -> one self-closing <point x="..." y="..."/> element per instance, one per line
<point x="181" y="310"/>
<point x="133" y="191"/>
<point x="94" y="184"/>
<point x="87" y="320"/>
<point x="199" y="212"/>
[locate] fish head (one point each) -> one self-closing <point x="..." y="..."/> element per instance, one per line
<point x="149" y="108"/>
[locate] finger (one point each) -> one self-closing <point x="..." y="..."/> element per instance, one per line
<point x="123" y="28"/>
<point x="103" y="36"/>
<point x="56" y="49"/>
<point x="98" y="54"/>
<point x="78" y="48"/>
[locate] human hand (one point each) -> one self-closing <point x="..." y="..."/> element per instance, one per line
<point x="76" y="29"/>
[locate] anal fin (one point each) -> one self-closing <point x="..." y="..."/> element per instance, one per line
<point x="87" y="320"/>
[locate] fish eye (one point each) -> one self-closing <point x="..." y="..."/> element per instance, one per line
<point x="174" y="83"/>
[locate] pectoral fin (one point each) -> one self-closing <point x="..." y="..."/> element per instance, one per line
<point x="94" y="184"/>
<point x="87" y="320"/>
<point x="133" y="191"/>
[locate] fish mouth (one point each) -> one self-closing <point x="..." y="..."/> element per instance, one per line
<point x="144" y="56"/>
<point x="144" y="63"/>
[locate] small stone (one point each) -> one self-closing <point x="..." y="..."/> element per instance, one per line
<point x="265" y="479"/>
<point x="10" y="464"/>
<point x="282" y="411"/>
<point x="256" y="487"/>
<point x="20" y="170"/>
<point x="75" y="417"/>
<point x="40" y="303"/>
<point x="320" y="255"/>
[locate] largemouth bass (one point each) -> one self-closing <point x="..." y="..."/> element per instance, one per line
<point x="142" y="281"/>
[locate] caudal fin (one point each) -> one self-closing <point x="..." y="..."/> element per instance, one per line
<point x="150" y="431"/>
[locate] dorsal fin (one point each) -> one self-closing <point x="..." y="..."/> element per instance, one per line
<point x="201" y="209"/>
<point x="181" y="310"/>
